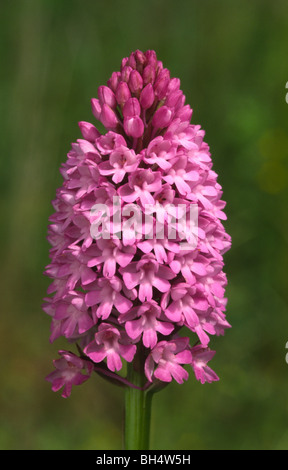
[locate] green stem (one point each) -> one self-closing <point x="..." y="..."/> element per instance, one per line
<point x="137" y="410"/>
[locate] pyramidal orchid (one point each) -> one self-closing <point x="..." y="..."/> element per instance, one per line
<point x="137" y="245"/>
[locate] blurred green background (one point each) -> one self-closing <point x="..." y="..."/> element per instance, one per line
<point x="231" y="58"/>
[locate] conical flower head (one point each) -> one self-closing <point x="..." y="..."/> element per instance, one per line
<point x="137" y="239"/>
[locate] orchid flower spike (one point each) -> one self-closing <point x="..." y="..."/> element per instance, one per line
<point x="137" y="238"/>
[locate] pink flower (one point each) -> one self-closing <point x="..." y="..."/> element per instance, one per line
<point x="121" y="161"/>
<point x="189" y="264"/>
<point x="73" y="315"/>
<point x="74" y="267"/>
<point x="126" y="262"/>
<point x="108" y="142"/>
<point x="160" y="248"/>
<point x="84" y="179"/>
<point x="147" y="273"/>
<point x="111" y="344"/>
<point x="160" y="151"/>
<point x="180" y="174"/>
<point x="140" y="186"/>
<point x="200" y="357"/>
<point x="164" y="361"/>
<point x="147" y="319"/>
<point x="69" y="372"/>
<point x="80" y="231"/>
<point x="65" y="206"/>
<point x="105" y="295"/>
<point x="111" y="253"/>
<point x="189" y="306"/>
<point x="79" y="153"/>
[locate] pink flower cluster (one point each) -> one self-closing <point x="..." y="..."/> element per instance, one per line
<point x="121" y="296"/>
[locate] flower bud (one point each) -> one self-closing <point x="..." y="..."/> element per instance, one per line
<point x="125" y="74"/>
<point x="131" y="108"/>
<point x="173" y="98"/>
<point x="132" y="61"/>
<point x="184" y="113"/>
<point x="140" y="60"/>
<point x="122" y="93"/>
<point x="124" y="63"/>
<point x="88" y="131"/>
<point x="174" y="85"/>
<point x="96" y="108"/>
<point x="147" y="96"/>
<point x="161" y="84"/>
<point x="108" y="117"/>
<point x="162" y="117"/>
<point x="135" y="82"/>
<point x="134" y="126"/>
<point x="148" y="74"/>
<point x="106" y="96"/>
<point x="151" y="58"/>
<point x="114" y="80"/>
